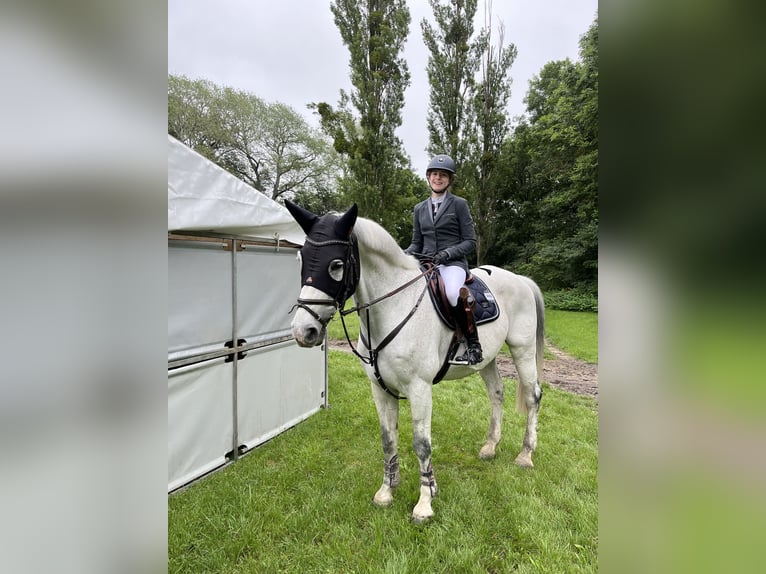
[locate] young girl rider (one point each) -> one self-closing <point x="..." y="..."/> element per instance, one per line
<point x="443" y="231"/>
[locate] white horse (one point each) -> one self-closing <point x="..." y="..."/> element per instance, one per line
<point x="407" y="341"/>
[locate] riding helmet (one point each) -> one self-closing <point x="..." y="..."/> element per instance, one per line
<point x="443" y="162"/>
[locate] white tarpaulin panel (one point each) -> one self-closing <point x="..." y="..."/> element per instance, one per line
<point x="204" y="197"/>
<point x="199" y="294"/>
<point x="200" y="429"/>
<point x="268" y="284"/>
<point x="267" y="405"/>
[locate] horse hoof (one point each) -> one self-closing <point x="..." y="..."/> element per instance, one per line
<point x="524" y="461"/>
<point x="487" y="452"/>
<point x="421" y="519"/>
<point x="383" y="498"/>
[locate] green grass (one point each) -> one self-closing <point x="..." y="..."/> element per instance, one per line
<point x="335" y="327"/>
<point x="575" y="332"/>
<point x="302" y="502"/>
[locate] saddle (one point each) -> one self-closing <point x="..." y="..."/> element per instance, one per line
<point x="485" y="309"/>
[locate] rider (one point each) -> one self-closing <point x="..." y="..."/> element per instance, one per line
<point x="443" y="230"/>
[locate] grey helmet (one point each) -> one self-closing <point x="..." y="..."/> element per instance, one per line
<point x="443" y="162"/>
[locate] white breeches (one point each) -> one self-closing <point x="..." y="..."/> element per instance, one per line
<point x="454" y="278"/>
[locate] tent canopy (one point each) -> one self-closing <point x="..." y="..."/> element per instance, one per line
<point x="204" y="197"/>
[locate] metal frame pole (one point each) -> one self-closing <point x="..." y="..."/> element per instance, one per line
<point x="235" y="351"/>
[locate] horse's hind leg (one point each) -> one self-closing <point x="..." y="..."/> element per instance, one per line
<point x="528" y="396"/>
<point x="495" y="390"/>
<point x="388" y="414"/>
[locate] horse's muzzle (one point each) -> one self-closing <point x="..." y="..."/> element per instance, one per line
<point x="308" y="335"/>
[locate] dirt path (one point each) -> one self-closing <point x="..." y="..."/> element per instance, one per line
<point x="564" y="372"/>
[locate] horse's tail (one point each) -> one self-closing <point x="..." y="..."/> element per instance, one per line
<point x="539" y="340"/>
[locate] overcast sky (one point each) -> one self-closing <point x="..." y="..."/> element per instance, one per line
<point x="291" y="51"/>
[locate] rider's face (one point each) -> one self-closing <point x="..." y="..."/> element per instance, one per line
<point x="439" y="180"/>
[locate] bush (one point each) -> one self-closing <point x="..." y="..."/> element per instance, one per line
<point x="571" y="300"/>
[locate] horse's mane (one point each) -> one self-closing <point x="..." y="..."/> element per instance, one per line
<point x="372" y="236"/>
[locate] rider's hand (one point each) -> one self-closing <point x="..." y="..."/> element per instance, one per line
<point x="440" y="258"/>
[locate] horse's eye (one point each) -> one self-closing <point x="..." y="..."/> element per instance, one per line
<point x="335" y="269"/>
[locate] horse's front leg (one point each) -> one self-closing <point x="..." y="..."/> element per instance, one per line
<point x="420" y="405"/>
<point x="388" y="414"/>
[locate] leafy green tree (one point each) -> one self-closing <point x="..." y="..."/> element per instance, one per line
<point x="518" y="201"/>
<point x="374" y="31"/>
<point x="191" y="118"/>
<point x="550" y="175"/>
<point x="269" y="146"/>
<point x="241" y="116"/>
<point x="298" y="157"/>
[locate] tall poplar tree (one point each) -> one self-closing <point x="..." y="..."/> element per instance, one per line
<point x="489" y="102"/>
<point x="374" y="31"/>
<point x="470" y="88"/>
<point x="452" y="64"/>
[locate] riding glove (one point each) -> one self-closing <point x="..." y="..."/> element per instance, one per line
<point x="441" y="257"/>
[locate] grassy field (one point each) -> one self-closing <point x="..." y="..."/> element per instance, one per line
<point x="302" y="502"/>
<point x="575" y="332"/>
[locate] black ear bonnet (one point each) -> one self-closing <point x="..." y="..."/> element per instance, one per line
<point x="329" y="238"/>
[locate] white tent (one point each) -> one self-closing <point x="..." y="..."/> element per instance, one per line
<point x="236" y="377"/>
<point x="204" y="197"/>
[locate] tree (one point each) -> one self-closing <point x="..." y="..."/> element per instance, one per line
<point x="452" y="63"/>
<point x="374" y="31"/>
<point x="241" y="116"/>
<point x="298" y="157"/>
<point x="269" y="146"/>
<point x="489" y="102"/>
<point x="467" y="118"/>
<point x="518" y="201"/>
<point x="190" y="115"/>
<point x="550" y="176"/>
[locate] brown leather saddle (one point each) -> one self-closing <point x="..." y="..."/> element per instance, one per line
<point x="485" y="309"/>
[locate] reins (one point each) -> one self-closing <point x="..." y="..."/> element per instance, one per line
<point x="372" y="359"/>
<point x="358" y="308"/>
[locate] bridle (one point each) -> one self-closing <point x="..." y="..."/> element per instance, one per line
<point x="348" y="284"/>
<point x="347" y="287"/>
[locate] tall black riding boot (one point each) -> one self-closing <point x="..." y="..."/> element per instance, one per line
<point x="464" y="317"/>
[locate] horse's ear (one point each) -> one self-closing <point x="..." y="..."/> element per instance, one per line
<point x="305" y="218"/>
<point x="345" y="225"/>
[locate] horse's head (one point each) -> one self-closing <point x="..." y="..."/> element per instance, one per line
<point x="329" y="270"/>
